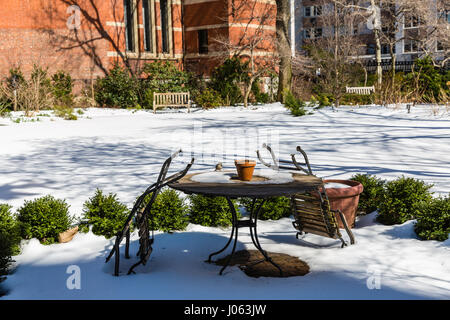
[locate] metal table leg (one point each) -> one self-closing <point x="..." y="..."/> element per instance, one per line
<point x="255" y="240"/>
<point x="251" y="224"/>
<point x="233" y="231"/>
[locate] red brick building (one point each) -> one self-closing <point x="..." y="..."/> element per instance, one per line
<point x="85" y="37"/>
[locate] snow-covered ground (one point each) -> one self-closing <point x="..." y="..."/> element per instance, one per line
<point x="121" y="151"/>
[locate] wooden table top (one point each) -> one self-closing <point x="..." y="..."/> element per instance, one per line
<point x="258" y="187"/>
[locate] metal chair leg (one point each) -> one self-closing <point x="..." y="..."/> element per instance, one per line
<point x="117" y="261"/>
<point x="127" y="245"/>
<point x="346" y="227"/>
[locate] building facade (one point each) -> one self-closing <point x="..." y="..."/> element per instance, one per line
<point x="408" y="40"/>
<point x="85" y="38"/>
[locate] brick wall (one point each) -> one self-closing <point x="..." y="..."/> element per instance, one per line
<point x="36" y="32"/>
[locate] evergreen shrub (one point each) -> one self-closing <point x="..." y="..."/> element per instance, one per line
<point x="105" y="213"/>
<point x="293" y="104"/>
<point x="211" y="211"/>
<point x="169" y="212"/>
<point x="44" y="218"/>
<point x="9" y="238"/>
<point x="433" y="219"/>
<point x="274" y="208"/>
<point x="401" y="200"/>
<point x="371" y="197"/>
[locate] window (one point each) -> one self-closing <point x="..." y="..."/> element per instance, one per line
<point x="317" y="10"/>
<point x="410" y="46"/>
<point x="313" y="11"/>
<point x="439" y="46"/>
<point x="411" y="21"/>
<point x="129" y="24"/>
<point x="385" y="49"/>
<point x="370" y="48"/>
<point x="202" y="41"/>
<point x="312" y="33"/>
<point x="164" y="26"/>
<point x="308" y="12"/>
<point x="444" y="15"/>
<point x="147" y="20"/>
<point x="318" y="33"/>
<point x="307" y="34"/>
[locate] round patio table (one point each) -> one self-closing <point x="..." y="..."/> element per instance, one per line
<point x="263" y="185"/>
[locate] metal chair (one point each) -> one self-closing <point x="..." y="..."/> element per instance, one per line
<point x="312" y="212"/>
<point x="141" y="213"/>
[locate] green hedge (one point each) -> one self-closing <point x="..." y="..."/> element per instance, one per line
<point x="226" y="79"/>
<point x="117" y="89"/>
<point x="274" y="208"/>
<point x="208" y="98"/>
<point x="295" y="106"/>
<point x="370" y="198"/>
<point x="62" y="86"/>
<point x="9" y="238"/>
<point x="120" y="88"/>
<point x="169" y="212"/>
<point x="433" y="219"/>
<point x="44" y="218"/>
<point x="211" y="211"/>
<point x="357" y="99"/>
<point x="401" y="199"/>
<point x="105" y="213"/>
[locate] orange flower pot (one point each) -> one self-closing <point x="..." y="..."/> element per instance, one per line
<point x="245" y="169"/>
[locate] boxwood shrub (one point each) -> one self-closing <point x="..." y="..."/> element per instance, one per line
<point x="211" y="211"/>
<point x="208" y="98"/>
<point x="5" y="255"/>
<point x="401" y="200"/>
<point x="105" y="213"/>
<point x="274" y="208"/>
<point x="293" y="104"/>
<point x="9" y="238"/>
<point x="117" y="89"/>
<point x="169" y="212"/>
<point x="44" y="218"/>
<point x="433" y="219"/>
<point x="371" y="197"/>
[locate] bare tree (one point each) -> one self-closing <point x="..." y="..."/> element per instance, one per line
<point x="432" y="34"/>
<point x="430" y="28"/>
<point x="284" y="47"/>
<point x="29" y="95"/>
<point x="334" y="51"/>
<point x="372" y="17"/>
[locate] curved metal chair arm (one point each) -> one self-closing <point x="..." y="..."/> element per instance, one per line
<point x="276" y="163"/>
<point x="274" y="166"/>
<point x="176" y="153"/>
<point x="153" y="189"/>
<point x="297" y="165"/>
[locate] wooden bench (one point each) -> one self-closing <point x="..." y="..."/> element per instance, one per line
<point x="171" y="99"/>
<point x="360" y="90"/>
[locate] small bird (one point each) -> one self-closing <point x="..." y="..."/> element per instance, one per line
<point x="219" y="166"/>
